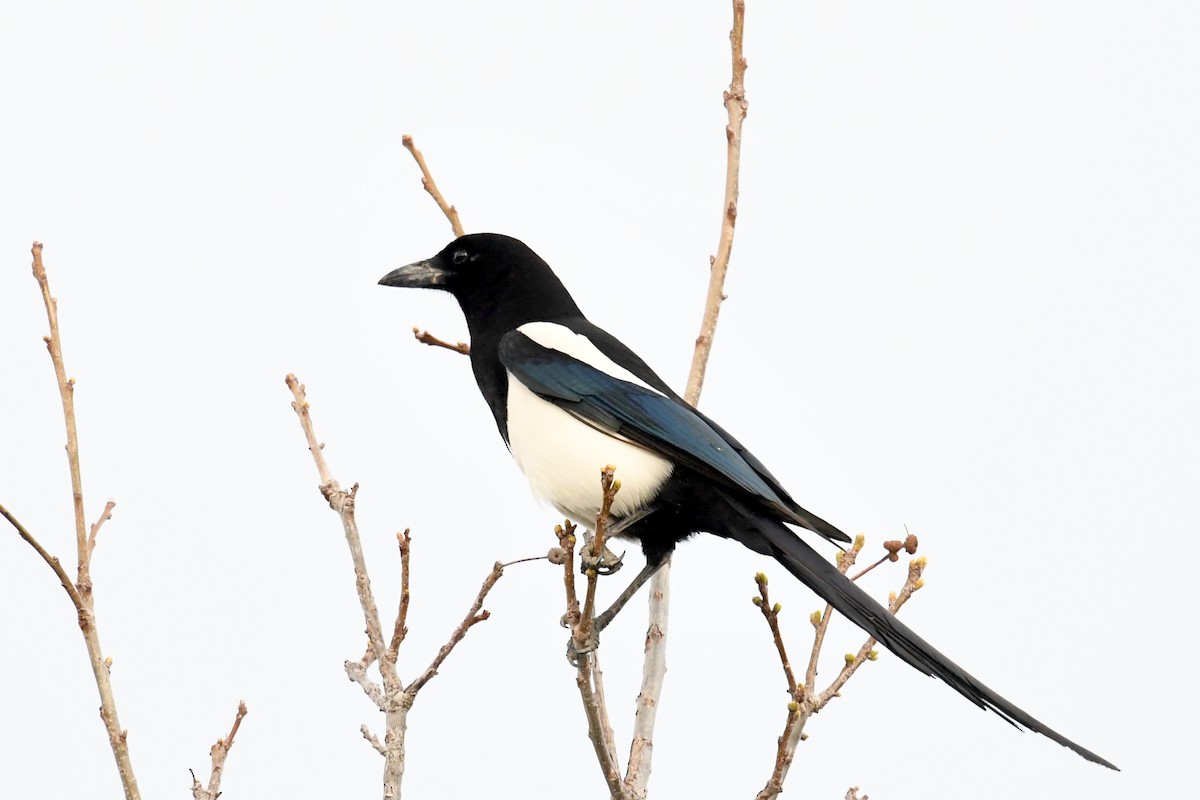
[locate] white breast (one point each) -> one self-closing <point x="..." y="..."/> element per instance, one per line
<point x="562" y="456"/>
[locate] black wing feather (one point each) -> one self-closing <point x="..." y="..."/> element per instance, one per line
<point x="659" y="421"/>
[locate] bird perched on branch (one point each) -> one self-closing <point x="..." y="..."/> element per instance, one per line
<point x="569" y="398"/>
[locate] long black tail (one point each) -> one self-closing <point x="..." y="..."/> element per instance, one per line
<point x="844" y="595"/>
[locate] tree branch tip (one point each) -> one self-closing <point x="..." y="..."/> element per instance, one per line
<point x="760" y="578"/>
<point x="775" y="609"/>
<point x="757" y="600"/>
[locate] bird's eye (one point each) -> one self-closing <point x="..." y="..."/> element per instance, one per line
<point x="459" y="257"/>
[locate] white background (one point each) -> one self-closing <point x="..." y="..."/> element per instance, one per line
<point x="962" y="300"/>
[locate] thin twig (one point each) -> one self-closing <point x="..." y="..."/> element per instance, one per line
<point x="771" y="614"/>
<point x="392" y="698"/>
<point x="821" y="623"/>
<point x="806" y="700"/>
<point x="400" y="629"/>
<point x="343" y="503"/>
<point x="66" y="390"/>
<point x="105" y="516"/>
<point x="425" y="337"/>
<point x="219" y="752"/>
<point x="427" y="181"/>
<point x="473" y="617"/>
<point x="609" y="488"/>
<point x="82" y="596"/>
<point x="736" y="106"/>
<point x="867" y="652"/>
<point x="51" y="561"/>
<point x="566" y="539"/>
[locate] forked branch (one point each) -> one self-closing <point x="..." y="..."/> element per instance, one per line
<point x="805" y="699"/>
<point x="218" y="753"/>
<point x="392" y="698"/>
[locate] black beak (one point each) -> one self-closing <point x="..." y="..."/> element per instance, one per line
<point x="419" y="275"/>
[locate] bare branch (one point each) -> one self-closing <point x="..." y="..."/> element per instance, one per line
<point x="783" y="755"/>
<point x="821" y="623"/>
<point x="372" y="740"/>
<point x="357" y="672"/>
<point x="219" y="752"/>
<point x="343" y="503"/>
<point x="66" y="390"/>
<point x="105" y="516"/>
<point x="392" y="698"/>
<point x="400" y="629"/>
<point x="588" y="677"/>
<point x="654" y="663"/>
<point x="51" y="561"/>
<point x="654" y="669"/>
<point x="583" y="631"/>
<point x="425" y="337"/>
<point x="427" y="181"/>
<point x="736" y="106"/>
<point x="474" y="616"/>
<point x="867" y="652"/>
<point x="771" y="614"/>
<point x="81" y="596"/>
<point x="300" y="406"/>
<point x="590" y="681"/>
<point x="806" y="701"/>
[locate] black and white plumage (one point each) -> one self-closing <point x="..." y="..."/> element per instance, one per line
<point x="569" y="398"/>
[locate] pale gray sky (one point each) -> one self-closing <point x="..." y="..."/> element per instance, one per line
<point x="962" y="300"/>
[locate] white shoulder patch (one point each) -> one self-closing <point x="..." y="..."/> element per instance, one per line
<point x="561" y="338"/>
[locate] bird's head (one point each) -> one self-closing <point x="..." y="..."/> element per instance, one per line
<point x="496" y="279"/>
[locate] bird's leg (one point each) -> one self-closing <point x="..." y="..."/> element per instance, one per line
<point x="601" y="622"/>
<point x="638" y="581"/>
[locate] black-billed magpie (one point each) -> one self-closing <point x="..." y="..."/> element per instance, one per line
<point x="569" y="399"/>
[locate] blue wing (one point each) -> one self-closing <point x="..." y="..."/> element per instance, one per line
<point x="659" y="422"/>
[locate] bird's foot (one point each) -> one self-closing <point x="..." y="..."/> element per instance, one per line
<point x="578" y="648"/>
<point x="606" y="563"/>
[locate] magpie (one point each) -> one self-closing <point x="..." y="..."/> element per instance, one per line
<point x="569" y="399"/>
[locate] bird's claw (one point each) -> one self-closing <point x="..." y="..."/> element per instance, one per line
<point x="577" y="649"/>
<point x="606" y="563"/>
